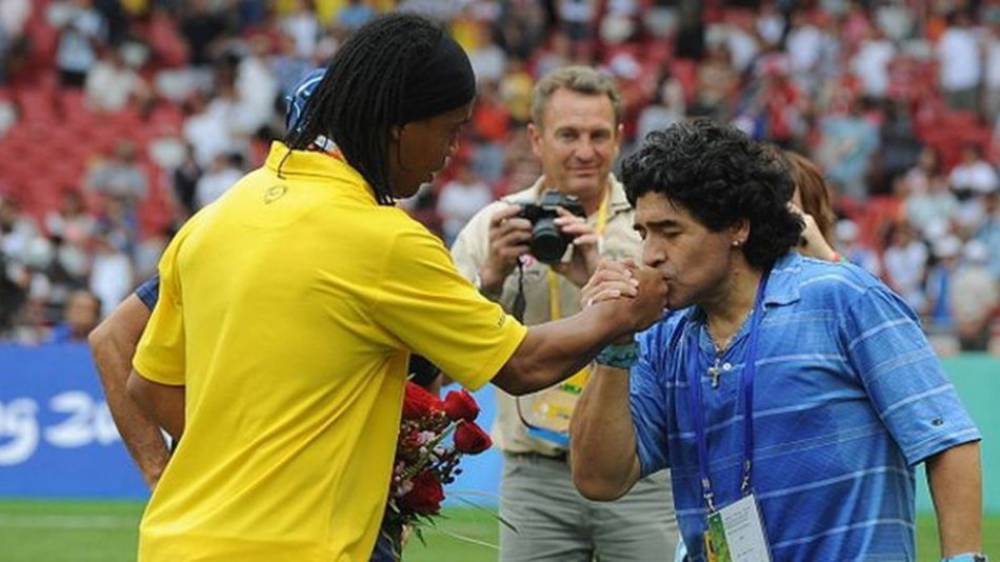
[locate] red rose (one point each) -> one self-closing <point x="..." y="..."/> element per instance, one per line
<point x="471" y="439"/>
<point x="425" y="497"/>
<point x="460" y="405"/>
<point x="418" y="402"/>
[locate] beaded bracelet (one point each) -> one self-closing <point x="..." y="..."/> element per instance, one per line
<point x="621" y="356"/>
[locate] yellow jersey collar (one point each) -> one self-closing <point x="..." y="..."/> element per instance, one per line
<point x="306" y="164"/>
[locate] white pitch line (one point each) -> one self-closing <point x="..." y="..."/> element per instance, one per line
<point x="26" y="521"/>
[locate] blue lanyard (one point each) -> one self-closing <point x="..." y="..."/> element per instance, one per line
<point x="746" y="390"/>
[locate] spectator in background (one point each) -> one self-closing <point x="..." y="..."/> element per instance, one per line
<point x="80" y="315"/>
<point x="989" y="231"/>
<point x="717" y="82"/>
<point x="666" y="108"/>
<point x="960" y="62"/>
<point x="871" y="63"/>
<point x="928" y="166"/>
<point x="946" y="252"/>
<point x="14" y="276"/>
<point x="972" y="179"/>
<point x="302" y="27"/>
<point x="460" y="199"/>
<point x="201" y="27"/>
<point x="847" y="143"/>
<point x="935" y="205"/>
<point x="811" y="197"/>
<point x="119" y="177"/>
<point x="974" y="298"/>
<point x="854" y="250"/>
<point x="558" y="53"/>
<point x="991" y="70"/>
<point x="355" y="14"/>
<point x="974" y="175"/>
<point x="906" y="264"/>
<point x="111" y="277"/>
<point x="111" y="84"/>
<point x="226" y="170"/>
<point x="515" y="91"/>
<point x="487" y="58"/>
<point x="185" y="182"/>
<point x="82" y="30"/>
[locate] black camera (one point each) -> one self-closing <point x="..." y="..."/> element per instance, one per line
<point x="548" y="243"/>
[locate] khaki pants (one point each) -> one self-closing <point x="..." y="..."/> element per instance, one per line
<point x="556" y="524"/>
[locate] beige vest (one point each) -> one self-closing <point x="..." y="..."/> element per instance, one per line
<point x="471" y="248"/>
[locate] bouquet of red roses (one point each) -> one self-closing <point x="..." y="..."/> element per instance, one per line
<point x="426" y="459"/>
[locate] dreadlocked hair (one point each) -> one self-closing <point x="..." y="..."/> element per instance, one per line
<point x="361" y="96"/>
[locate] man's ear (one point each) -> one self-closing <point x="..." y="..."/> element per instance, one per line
<point x="395" y="132"/>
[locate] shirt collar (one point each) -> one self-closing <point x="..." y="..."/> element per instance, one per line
<point x="308" y="164"/>
<point x="783" y="286"/>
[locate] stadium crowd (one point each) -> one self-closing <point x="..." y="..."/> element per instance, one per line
<point x="121" y="118"/>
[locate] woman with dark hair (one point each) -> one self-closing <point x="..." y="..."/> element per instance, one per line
<point x="811" y="198"/>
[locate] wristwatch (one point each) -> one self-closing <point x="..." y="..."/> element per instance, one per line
<point x="967" y="557"/>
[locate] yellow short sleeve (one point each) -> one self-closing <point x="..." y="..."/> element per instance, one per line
<point x="424" y="302"/>
<point x="159" y="356"/>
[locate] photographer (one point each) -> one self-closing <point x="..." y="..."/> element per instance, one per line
<point x="513" y="250"/>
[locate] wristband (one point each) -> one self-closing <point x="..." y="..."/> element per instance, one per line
<point x="967" y="557"/>
<point x="618" y="356"/>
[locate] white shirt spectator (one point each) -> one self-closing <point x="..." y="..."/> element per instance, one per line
<point x="209" y="132"/>
<point x="992" y="71"/>
<point x="958" y="55"/>
<point x="80" y="28"/>
<point x="871" y="64"/>
<point x="110" y="85"/>
<point x="906" y="266"/>
<point x="217" y="181"/>
<point x="460" y="199"/>
<point x="743" y="47"/>
<point x="14" y="15"/>
<point x="488" y="62"/>
<point x="304" y="30"/>
<point x="111" y="278"/>
<point x="978" y="176"/>
<point x="805" y="46"/>
<point x="256" y="90"/>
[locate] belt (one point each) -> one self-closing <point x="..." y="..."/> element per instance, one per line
<point x="562" y="456"/>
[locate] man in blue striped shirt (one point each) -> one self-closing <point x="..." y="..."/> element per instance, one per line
<point x="845" y="398"/>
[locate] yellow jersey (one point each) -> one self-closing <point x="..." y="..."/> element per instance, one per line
<point x="288" y="309"/>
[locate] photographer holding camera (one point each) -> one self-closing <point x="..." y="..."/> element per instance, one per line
<point x="532" y="252"/>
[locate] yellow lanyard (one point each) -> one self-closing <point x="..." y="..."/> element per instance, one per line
<point x="555" y="296"/>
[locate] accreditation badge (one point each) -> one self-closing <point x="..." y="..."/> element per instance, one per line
<point x="736" y="533"/>
<point x="547" y="413"/>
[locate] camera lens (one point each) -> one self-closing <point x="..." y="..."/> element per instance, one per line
<point x="547" y="243"/>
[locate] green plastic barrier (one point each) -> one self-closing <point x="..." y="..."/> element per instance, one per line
<point x="977" y="378"/>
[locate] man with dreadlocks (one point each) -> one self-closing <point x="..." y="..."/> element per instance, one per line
<point x="289" y="307"/>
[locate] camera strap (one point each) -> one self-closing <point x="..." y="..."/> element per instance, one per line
<point x="555" y="295"/>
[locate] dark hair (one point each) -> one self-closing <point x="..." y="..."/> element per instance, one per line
<point x="720" y="176"/>
<point x="361" y="96"/>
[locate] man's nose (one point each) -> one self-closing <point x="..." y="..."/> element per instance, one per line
<point x="652" y="254"/>
<point x="585" y="150"/>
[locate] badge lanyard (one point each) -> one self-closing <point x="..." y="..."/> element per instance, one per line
<point x="574" y="384"/>
<point x="746" y="390"/>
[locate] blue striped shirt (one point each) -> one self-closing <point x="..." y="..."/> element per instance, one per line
<point x="848" y="397"/>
